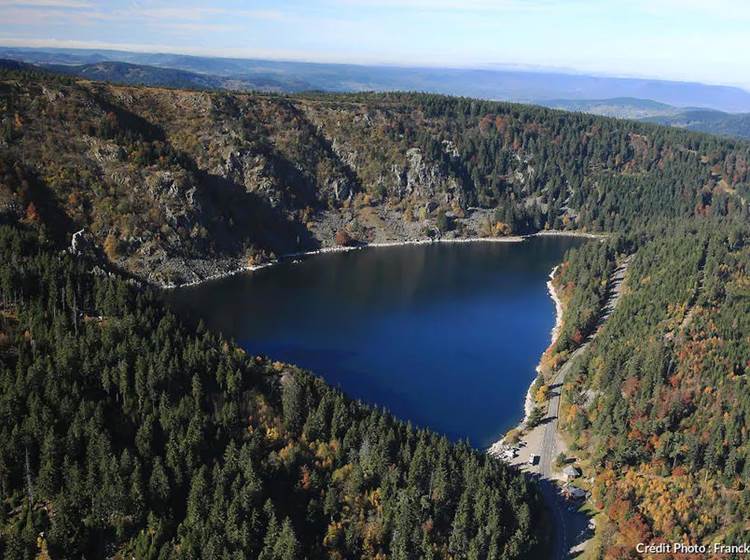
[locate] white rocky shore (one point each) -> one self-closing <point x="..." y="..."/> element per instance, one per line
<point x="558" y="310"/>
<point x="235" y="267"/>
<point x="342" y="249"/>
<point x="500" y="449"/>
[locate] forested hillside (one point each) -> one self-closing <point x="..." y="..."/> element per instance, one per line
<point x="714" y="122"/>
<point x="657" y="407"/>
<point x="735" y="125"/>
<point x="174" y="185"/>
<point x="125" y="434"/>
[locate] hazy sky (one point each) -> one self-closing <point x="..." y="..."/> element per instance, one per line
<point x="697" y="40"/>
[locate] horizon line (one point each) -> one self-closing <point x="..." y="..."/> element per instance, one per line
<point x="8" y="43"/>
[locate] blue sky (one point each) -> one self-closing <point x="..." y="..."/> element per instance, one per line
<point x="694" y="40"/>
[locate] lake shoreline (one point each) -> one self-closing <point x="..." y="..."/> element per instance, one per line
<point x="551" y="253"/>
<point x="554" y="334"/>
<point x="498" y="447"/>
<point x="344" y="249"/>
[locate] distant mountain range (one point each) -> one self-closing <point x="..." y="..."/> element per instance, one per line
<point x="141" y="74"/>
<point x="620" y="107"/>
<point x="713" y="122"/>
<point x="714" y="109"/>
<point x="691" y="118"/>
<point x="493" y="83"/>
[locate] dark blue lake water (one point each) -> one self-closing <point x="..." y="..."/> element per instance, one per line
<point x="444" y="335"/>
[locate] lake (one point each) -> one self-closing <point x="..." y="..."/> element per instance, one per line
<point x="446" y="335"/>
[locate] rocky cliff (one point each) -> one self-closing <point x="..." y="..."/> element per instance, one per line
<point x="175" y="186"/>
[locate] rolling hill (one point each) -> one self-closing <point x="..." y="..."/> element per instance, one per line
<point x="140" y="74"/>
<point x="701" y="120"/>
<point x="491" y="82"/>
<point x="712" y="122"/>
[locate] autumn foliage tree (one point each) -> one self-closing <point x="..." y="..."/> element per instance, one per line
<point x="32" y="214"/>
<point x="344" y="238"/>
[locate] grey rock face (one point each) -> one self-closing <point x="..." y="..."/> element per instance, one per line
<point x="176" y="196"/>
<point x="253" y="171"/>
<point x="424" y="179"/>
<point x="80" y="242"/>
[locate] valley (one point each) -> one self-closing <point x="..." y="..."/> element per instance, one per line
<point x="133" y="428"/>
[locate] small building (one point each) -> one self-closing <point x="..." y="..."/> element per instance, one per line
<point x="574" y="493"/>
<point x="571" y="472"/>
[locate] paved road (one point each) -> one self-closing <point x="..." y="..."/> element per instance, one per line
<point x="572" y="527"/>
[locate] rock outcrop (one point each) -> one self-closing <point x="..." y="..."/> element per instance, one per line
<point x="175" y="186"/>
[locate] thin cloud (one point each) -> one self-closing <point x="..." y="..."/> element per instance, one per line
<point x="193" y="13"/>
<point x="455" y="5"/>
<point x="260" y="53"/>
<point x="683" y="39"/>
<point x="205" y="14"/>
<point x="49" y="16"/>
<point x="194" y="27"/>
<point x="196" y="19"/>
<point x="11" y="41"/>
<point x="268" y="15"/>
<point x="64" y="4"/>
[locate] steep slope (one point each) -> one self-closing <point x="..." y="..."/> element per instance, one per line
<point x="178" y="185"/>
<point x="125" y="434"/>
